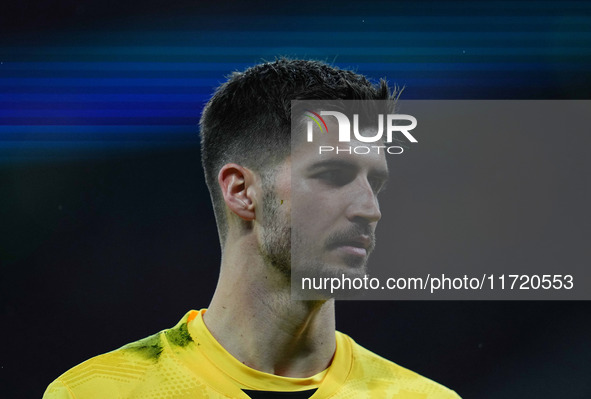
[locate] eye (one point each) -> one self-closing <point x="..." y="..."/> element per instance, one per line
<point x="335" y="177"/>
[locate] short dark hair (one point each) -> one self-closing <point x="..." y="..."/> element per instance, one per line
<point x="247" y="120"/>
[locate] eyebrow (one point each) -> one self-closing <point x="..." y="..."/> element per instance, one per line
<point x="339" y="163"/>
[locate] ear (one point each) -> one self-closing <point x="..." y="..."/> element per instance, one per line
<point x="237" y="185"/>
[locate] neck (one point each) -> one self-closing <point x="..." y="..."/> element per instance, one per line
<point x="254" y="318"/>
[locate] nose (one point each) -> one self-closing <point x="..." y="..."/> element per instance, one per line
<point x="364" y="204"/>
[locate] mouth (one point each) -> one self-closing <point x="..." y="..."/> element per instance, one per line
<point x="356" y="246"/>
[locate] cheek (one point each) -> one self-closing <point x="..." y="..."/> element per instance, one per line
<point x="311" y="220"/>
<point x="283" y="186"/>
<point x="312" y="202"/>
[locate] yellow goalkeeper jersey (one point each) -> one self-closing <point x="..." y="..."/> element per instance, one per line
<point x="187" y="362"/>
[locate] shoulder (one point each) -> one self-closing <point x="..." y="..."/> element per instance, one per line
<point x="142" y="365"/>
<point x="111" y="373"/>
<point x="390" y="378"/>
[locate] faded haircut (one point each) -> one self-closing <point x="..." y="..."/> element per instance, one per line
<point x="247" y="120"/>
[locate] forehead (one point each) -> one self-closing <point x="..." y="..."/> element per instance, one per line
<point x="327" y="149"/>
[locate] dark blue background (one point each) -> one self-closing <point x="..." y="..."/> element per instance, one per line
<point x="106" y="230"/>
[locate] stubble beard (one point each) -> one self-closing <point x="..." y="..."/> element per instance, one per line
<point x="279" y="240"/>
<point x="275" y="246"/>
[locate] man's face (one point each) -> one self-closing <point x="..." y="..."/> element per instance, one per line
<point x="327" y="203"/>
